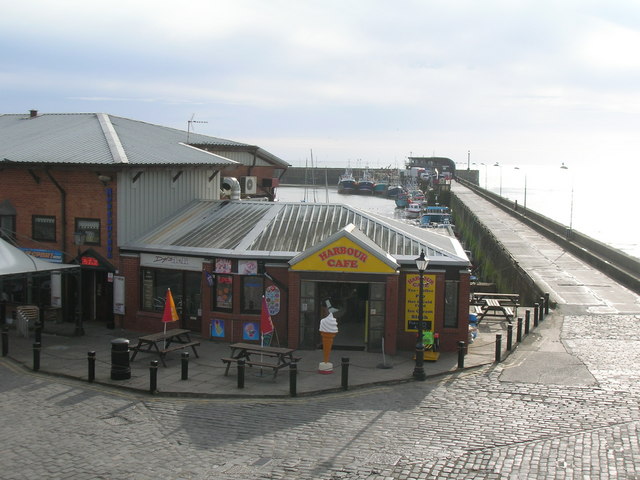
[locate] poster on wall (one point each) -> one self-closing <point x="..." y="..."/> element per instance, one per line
<point x="223" y="265"/>
<point x="217" y="328"/>
<point x="247" y="267"/>
<point x="118" y="295"/>
<point x="56" y="289"/>
<point x="272" y="296"/>
<point x="251" y="331"/>
<point x="412" y="307"/>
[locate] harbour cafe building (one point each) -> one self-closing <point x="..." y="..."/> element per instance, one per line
<point x="220" y="257"/>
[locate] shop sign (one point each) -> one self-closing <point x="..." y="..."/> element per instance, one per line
<point x="343" y="255"/>
<point x="173" y="262"/>
<point x="272" y="296"/>
<point x="53" y="256"/>
<point x="412" y="305"/>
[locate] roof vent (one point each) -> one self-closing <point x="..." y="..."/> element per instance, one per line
<point x="33" y="113"/>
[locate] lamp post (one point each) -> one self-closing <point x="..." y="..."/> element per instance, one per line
<point x="485" y="174"/>
<point x="79" y="238"/>
<point x="525" y="191"/>
<point x="418" y="371"/>
<point x="570" y="230"/>
<point x="497" y="164"/>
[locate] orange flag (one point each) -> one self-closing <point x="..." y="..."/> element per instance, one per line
<point x="170" y="313"/>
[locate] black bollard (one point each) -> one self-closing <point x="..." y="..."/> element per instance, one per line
<point x="293" y="379"/>
<point x="509" y="337"/>
<point x="498" y="347"/>
<point x="120" y="368"/>
<point x="38" y="332"/>
<point x="546" y="304"/>
<point x="5" y="340"/>
<point x="345" y="373"/>
<point x="153" y="377"/>
<point x="528" y="317"/>
<point x="541" y="302"/>
<point x="36" y="356"/>
<point x="240" y="373"/>
<point x="185" y="365"/>
<point x="519" y="330"/>
<point x="526" y="325"/>
<point x="536" y="317"/>
<point x="460" y="354"/>
<point x="91" y="374"/>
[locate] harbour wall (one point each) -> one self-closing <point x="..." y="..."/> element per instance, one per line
<point x="616" y="264"/>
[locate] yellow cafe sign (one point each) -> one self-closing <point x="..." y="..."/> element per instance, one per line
<point x="348" y="251"/>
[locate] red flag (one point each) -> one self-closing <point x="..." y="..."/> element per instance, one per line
<point x="170" y="314"/>
<point x="266" y="325"/>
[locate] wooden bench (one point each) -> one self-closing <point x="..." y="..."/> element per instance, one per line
<point x="179" y="346"/>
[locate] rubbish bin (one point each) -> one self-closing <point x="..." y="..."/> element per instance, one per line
<point x="120" y="368"/>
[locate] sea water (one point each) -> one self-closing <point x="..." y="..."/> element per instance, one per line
<point x="597" y="204"/>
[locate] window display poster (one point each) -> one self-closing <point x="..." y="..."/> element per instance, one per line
<point x="217" y="328"/>
<point x="251" y="331"/>
<point x="223" y="265"/>
<point x="224" y="291"/>
<point x="118" y="295"/>
<point x="412" y="307"/>
<point x="248" y="267"/>
<point x="272" y="296"/>
<point x="56" y="289"/>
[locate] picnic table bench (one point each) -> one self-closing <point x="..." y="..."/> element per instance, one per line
<point x="495" y="308"/>
<point x="162" y="343"/>
<point x="254" y="356"/>
<point x="511" y="299"/>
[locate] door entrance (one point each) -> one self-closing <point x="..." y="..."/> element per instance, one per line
<point x="350" y="299"/>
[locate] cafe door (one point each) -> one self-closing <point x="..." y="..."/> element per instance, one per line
<point x="191" y="302"/>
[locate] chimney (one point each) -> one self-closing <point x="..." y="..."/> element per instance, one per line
<point x="33" y="113"/>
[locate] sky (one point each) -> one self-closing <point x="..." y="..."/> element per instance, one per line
<point x="358" y="83"/>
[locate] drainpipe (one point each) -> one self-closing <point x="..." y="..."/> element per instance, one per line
<point x="63" y="207"/>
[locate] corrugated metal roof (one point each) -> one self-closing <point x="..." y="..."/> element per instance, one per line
<point x="80" y="138"/>
<point x="282" y="230"/>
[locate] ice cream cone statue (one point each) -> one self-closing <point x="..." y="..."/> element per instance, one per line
<point x="328" y="331"/>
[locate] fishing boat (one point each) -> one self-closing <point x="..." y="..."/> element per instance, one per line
<point x="347" y="183"/>
<point x="402" y="199"/>
<point x="380" y="188"/>
<point x="413" y="210"/>
<point x="365" y="183"/>
<point x="435" y="217"/>
<point x="394" y="190"/>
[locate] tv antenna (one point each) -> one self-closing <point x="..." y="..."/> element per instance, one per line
<point x="190" y="125"/>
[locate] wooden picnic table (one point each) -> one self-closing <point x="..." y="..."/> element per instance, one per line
<point x="254" y="355"/>
<point x="511" y="299"/>
<point x="494" y="307"/>
<point x="162" y="343"/>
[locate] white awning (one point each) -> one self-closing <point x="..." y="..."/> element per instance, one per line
<point x="14" y="261"/>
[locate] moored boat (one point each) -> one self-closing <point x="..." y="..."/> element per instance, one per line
<point x="347" y="183"/>
<point x="402" y="199"/>
<point x="365" y="183"/>
<point x="436" y="216"/>
<point x="413" y="210"/>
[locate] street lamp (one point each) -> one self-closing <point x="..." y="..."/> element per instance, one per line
<point x="497" y="164"/>
<point x="418" y="371"/>
<point x="570" y="230"/>
<point x="79" y="238"/>
<point x="485" y="174"/>
<point x="525" y="191"/>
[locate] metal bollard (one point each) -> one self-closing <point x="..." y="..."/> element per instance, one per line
<point x="153" y="377"/>
<point x="461" y="354"/>
<point x="91" y="374"/>
<point x="5" y="340"/>
<point x="536" y="317"/>
<point x="36" y="356"/>
<point x="519" y="330"/>
<point x="526" y="325"/>
<point x="528" y="317"/>
<point x="546" y="304"/>
<point x="498" y="347"/>
<point x="509" y="337"/>
<point x="345" y="373"/>
<point x="541" y="301"/>
<point x="120" y="367"/>
<point x="293" y="378"/>
<point x="185" y="365"/>
<point x="240" y="373"/>
<point x="38" y="332"/>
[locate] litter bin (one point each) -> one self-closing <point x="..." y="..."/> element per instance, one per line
<point x="120" y="368"/>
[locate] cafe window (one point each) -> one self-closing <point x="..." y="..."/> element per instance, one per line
<point x="155" y="283"/>
<point x="43" y="228"/>
<point x="91" y="229"/>
<point x="451" y="303"/>
<point x="223" y="292"/>
<point x="252" y="291"/>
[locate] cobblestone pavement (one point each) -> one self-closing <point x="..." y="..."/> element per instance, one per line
<point x="472" y="424"/>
